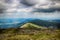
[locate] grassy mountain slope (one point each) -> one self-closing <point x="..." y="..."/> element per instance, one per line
<point x="29" y="34"/>
<point x="31" y="25"/>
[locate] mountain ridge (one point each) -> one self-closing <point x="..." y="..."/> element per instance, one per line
<point x="31" y="25"/>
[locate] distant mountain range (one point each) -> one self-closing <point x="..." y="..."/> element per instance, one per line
<point x="44" y="23"/>
<point x="21" y="22"/>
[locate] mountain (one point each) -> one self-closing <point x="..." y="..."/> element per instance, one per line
<point x="57" y="21"/>
<point x="44" y="23"/>
<point x="15" y="23"/>
<point x="31" y="25"/>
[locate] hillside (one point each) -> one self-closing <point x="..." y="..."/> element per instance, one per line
<point x="29" y="34"/>
<point x="31" y="25"/>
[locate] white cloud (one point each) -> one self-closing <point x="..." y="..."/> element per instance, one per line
<point x="57" y="5"/>
<point x="11" y="10"/>
<point x="26" y="12"/>
<point x="48" y="4"/>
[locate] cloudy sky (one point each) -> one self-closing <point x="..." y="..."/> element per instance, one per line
<point x="41" y="9"/>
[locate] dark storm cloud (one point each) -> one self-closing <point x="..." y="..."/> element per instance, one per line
<point x="2" y="8"/>
<point x="8" y="1"/>
<point x="54" y="5"/>
<point x="1" y="11"/>
<point x="27" y="3"/>
<point x="46" y="10"/>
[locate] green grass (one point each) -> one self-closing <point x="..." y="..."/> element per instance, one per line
<point x="30" y="31"/>
<point x="31" y="25"/>
<point x="30" y="34"/>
